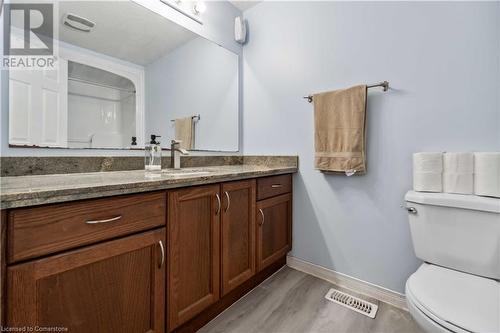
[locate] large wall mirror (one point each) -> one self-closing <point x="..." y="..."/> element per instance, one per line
<point x="124" y="73"/>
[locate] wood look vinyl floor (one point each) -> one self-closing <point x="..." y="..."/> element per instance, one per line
<point x="292" y="301"/>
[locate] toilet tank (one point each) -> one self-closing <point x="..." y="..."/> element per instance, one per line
<point x="457" y="231"/>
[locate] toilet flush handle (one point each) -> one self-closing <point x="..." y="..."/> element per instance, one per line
<point x="411" y="210"/>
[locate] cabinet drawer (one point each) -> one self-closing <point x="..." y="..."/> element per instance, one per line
<point x="272" y="186"/>
<point x="38" y="231"/>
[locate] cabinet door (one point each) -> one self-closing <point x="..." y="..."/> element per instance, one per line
<point x="117" y="286"/>
<point x="238" y="233"/>
<point x="274" y="236"/>
<point x="193" y="252"/>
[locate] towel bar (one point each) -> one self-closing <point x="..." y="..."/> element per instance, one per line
<point x="383" y="84"/>
<point x="195" y="118"/>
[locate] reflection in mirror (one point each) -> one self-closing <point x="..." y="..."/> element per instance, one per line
<point x="124" y="73"/>
<point x="197" y="84"/>
<point x="101" y="108"/>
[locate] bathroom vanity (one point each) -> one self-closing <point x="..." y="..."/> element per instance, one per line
<point x="105" y="252"/>
<point x="126" y="251"/>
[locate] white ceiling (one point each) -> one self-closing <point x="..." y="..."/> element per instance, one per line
<point x="123" y="30"/>
<point x="243" y="4"/>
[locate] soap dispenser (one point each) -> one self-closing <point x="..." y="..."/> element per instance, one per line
<point x="152" y="159"/>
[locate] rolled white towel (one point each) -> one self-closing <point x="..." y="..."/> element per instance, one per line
<point x="428" y="162"/>
<point x="487" y="174"/>
<point x="461" y="183"/>
<point x="427" y="172"/>
<point x="427" y="181"/>
<point x="458" y="171"/>
<point x="458" y="163"/>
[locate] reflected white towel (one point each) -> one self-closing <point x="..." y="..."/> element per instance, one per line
<point x="184" y="132"/>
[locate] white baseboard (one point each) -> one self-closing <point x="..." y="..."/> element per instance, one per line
<point x="345" y="281"/>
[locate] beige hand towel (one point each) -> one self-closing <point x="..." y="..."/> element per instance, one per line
<point x="339" y="119"/>
<point x="184" y="132"/>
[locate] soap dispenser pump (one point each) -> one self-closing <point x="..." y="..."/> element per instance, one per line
<point x="152" y="159"/>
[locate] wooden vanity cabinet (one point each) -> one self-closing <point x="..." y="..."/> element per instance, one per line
<point x="273" y="186"/>
<point x="274" y="237"/>
<point x="253" y="236"/>
<point x="193" y="251"/>
<point x="238" y="233"/>
<point x="153" y="262"/>
<point x="38" y="231"/>
<point x="3" y="264"/>
<point x="116" y="286"/>
<point x="274" y="220"/>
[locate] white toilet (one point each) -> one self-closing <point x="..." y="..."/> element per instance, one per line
<point x="457" y="288"/>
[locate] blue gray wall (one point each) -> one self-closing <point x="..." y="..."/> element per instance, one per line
<point x="442" y="61"/>
<point x="199" y="77"/>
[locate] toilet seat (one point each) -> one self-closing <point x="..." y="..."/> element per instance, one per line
<point x="425" y="322"/>
<point x="445" y="300"/>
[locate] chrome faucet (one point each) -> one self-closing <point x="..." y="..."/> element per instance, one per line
<point x="175" y="157"/>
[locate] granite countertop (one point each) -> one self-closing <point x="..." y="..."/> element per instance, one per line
<point x="23" y="191"/>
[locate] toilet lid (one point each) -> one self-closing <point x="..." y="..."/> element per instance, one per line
<point x="466" y="301"/>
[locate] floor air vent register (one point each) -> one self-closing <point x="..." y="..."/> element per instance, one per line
<point x="351" y="302"/>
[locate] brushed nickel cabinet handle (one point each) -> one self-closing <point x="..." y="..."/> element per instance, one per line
<point x="228" y="201"/>
<point x="263" y="217"/>
<point x="276" y="185"/>
<point x="218" y="203"/>
<point x="162" y="249"/>
<point x="116" y="218"/>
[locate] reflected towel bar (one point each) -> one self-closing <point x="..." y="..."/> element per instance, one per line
<point x="195" y="118"/>
<point x="383" y="84"/>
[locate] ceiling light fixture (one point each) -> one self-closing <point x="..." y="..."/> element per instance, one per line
<point x="188" y="8"/>
<point x="199" y="7"/>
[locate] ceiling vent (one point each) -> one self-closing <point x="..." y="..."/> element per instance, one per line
<point x="78" y="23"/>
